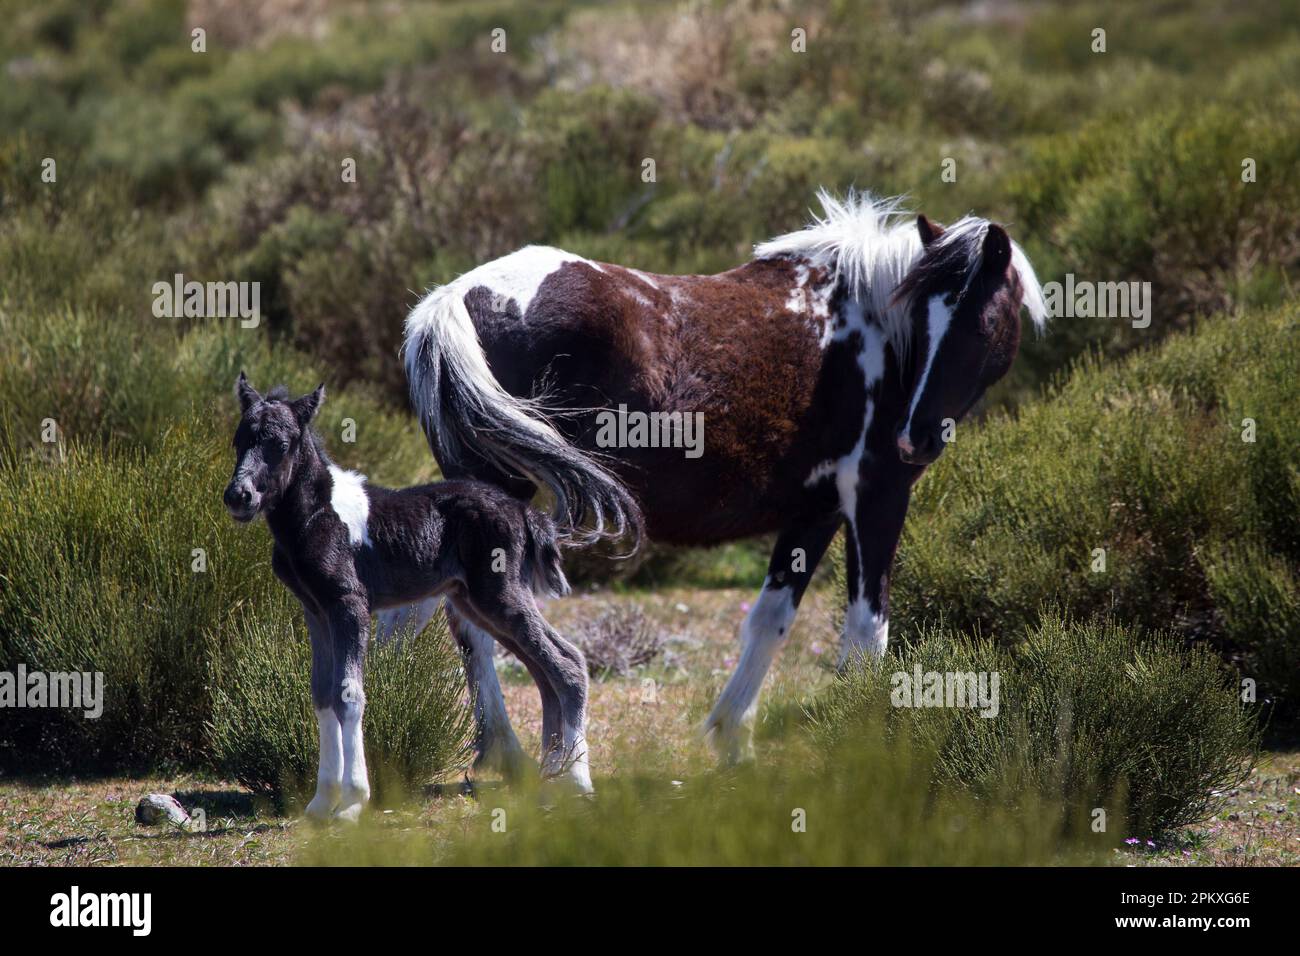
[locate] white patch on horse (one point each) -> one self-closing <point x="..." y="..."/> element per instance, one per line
<point x="349" y="500"/>
<point x="871" y="361"/>
<point x="866" y="630"/>
<point x="644" y="277"/>
<point x="938" y="318"/>
<point x="518" y="275"/>
<point x="765" y="628"/>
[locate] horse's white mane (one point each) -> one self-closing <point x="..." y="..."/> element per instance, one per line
<point x="867" y="243"/>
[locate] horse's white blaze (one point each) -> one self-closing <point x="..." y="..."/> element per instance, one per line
<point x="938" y="318"/>
<point x="349" y="501"/>
<point x="329" y="773"/>
<point x="765" y="628"/>
<point x="866" y="629"/>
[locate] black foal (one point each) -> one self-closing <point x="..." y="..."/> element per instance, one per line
<point x="347" y="548"/>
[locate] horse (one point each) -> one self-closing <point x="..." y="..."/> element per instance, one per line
<point x="346" y="547"/>
<point x="829" y="372"/>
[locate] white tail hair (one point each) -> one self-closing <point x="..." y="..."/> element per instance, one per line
<point x="469" y="418"/>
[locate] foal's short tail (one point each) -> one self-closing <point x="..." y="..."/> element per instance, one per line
<point x="469" y="418"/>
<point x="542" y="567"/>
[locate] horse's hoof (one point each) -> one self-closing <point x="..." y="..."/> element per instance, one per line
<point x="734" y="745"/>
<point x="321" y="807"/>
<point x="509" y="760"/>
<point x="350" y="814"/>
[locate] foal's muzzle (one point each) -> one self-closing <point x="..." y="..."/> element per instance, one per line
<point x="241" y="501"/>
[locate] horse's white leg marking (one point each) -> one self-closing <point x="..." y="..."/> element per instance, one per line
<point x="329" y="773"/>
<point x="765" y="628"/>
<point x="395" y="620"/>
<point x="356" y="782"/>
<point x="866" y="627"/>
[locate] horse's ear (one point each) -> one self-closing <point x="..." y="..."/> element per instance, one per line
<point x="305" y="408"/>
<point x="246" y="394"/>
<point x="929" y="231"/>
<point x="997" y="250"/>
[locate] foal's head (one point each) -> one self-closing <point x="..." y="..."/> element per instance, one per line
<point x="268" y="446"/>
<point x="963" y="295"/>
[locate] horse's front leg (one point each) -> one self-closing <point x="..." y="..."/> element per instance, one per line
<point x="329" y="774"/>
<point x="870" y="544"/>
<point x="794" y="559"/>
<point x="349" y="621"/>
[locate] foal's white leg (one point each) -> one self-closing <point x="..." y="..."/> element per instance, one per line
<point x="356" y="782"/>
<point x="329" y="772"/>
<point x="765" y="629"/>
<point x="329" y="775"/>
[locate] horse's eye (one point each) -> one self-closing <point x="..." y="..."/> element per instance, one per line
<point x="284" y="446"/>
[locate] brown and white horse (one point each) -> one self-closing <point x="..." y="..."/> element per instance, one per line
<point x="827" y="373"/>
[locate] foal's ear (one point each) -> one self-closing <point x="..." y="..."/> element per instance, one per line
<point x="246" y="394"/>
<point x="929" y="231"/>
<point x="997" y="250"/>
<point x="305" y="408"/>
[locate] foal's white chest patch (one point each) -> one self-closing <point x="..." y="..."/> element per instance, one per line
<point x="349" y="501"/>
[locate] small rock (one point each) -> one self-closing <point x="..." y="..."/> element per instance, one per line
<point x="160" y="808"/>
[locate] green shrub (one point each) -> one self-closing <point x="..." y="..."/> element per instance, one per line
<point x="263" y="730"/>
<point x="99" y="574"/>
<point x="1094" y="714"/>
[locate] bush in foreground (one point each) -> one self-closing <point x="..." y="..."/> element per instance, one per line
<point x="1091" y="714"/>
<point x="871" y="804"/>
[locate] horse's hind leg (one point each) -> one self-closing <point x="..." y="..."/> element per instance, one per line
<point x="794" y="559"/>
<point x="497" y="745"/>
<point x="559" y="668"/>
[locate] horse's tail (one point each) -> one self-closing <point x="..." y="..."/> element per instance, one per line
<point x="542" y="567"/>
<point x="468" y="417"/>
